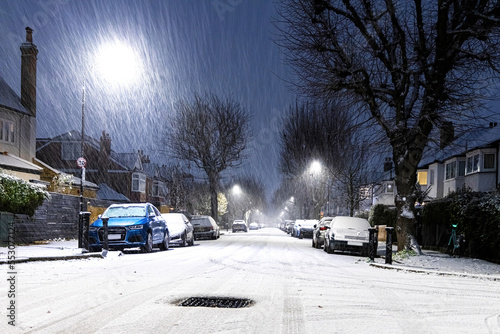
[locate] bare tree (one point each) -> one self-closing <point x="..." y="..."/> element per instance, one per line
<point x="211" y="133"/>
<point x="314" y="131"/>
<point x="351" y="173"/>
<point x="411" y="67"/>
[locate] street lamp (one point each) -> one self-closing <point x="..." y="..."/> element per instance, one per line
<point x="116" y="63"/>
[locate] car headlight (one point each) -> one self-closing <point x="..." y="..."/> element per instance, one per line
<point x="135" y="227"/>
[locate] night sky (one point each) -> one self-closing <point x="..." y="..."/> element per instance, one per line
<point x="224" y="47"/>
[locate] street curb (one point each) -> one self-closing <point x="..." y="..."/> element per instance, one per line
<point x="53" y="258"/>
<point x="434" y="272"/>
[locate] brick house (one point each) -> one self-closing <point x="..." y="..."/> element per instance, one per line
<point x="18" y="118"/>
<point x="130" y="175"/>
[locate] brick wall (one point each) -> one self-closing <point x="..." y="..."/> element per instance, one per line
<point x="57" y="217"/>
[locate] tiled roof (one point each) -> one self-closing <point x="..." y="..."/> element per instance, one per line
<point x="9" y="98"/>
<point x="12" y="162"/>
<point x="107" y="193"/>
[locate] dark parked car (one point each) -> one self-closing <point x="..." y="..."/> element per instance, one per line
<point x="205" y="227"/>
<point x="180" y="228"/>
<point x="347" y="234"/>
<point x="319" y="232"/>
<point x="130" y="226"/>
<point x="239" y="225"/>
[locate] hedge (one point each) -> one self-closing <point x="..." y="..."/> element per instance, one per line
<point x="477" y="216"/>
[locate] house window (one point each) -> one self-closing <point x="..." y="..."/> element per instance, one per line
<point x="431" y="177"/>
<point x="451" y="170"/>
<point x="157" y="187"/>
<point x="472" y="164"/>
<point x="422" y="178"/>
<point x="390" y="188"/>
<point x="489" y="161"/>
<point x="71" y="151"/>
<point x="461" y="168"/>
<point x="7" y="133"/>
<point x="139" y="182"/>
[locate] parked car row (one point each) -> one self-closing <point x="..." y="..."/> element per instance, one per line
<point x="142" y="225"/>
<point x="332" y="233"/>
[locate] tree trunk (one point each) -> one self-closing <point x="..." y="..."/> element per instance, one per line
<point x="406" y="179"/>
<point x="212" y="184"/>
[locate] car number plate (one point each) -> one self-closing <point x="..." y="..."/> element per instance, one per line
<point x="114" y="236"/>
<point x="355" y="243"/>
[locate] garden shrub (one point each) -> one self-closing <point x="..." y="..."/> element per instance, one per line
<point x="20" y="197"/>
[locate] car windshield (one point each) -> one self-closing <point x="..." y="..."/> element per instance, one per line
<point x="357" y="224"/>
<point x="125" y="211"/>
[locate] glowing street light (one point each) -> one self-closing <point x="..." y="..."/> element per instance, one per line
<point x="315" y="167"/>
<point x="237" y="190"/>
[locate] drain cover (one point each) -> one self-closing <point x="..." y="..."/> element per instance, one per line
<point x="220" y="302"/>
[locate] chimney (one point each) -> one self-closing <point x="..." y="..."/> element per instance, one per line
<point x="28" y="73"/>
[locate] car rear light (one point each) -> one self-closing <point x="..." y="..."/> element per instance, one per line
<point x="322" y="228"/>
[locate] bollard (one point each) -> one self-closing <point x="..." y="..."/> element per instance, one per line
<point x="105" y="233"/>
<point x="85" y="218"/>
<point x="80" y="230"/>
<point x="388" y="245"/>
<point x="372" y="243"/>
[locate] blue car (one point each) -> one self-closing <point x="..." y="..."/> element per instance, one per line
<point x="130" y="226"/>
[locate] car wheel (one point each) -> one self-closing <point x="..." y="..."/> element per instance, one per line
<point x="314" y="246"/>
<point x="184" y="240"/>
<point x="300" y="235"/>
<point x="325" y="248"/>
<point x="318" y="246"/>
<point x="191" y="242"/>
<point x="164" y="245"/>
<point x="329" y="250"/>
<point x="148" y="246"/>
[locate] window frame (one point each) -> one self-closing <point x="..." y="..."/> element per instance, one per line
<point x="7" y="131"/>
<point x="138" y="182"/>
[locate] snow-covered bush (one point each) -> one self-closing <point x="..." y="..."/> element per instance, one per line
<point x="18" y="196"/>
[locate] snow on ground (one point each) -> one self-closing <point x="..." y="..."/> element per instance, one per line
<point x="430" y="261"/>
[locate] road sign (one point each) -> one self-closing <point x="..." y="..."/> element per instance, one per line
<point x="81" y="162"/>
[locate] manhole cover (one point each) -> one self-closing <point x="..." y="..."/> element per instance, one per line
<point x="220" y="302"/>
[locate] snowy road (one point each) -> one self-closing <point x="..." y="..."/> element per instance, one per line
<point x="296" y="289"/>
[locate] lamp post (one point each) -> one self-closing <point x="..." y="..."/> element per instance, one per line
<point x="116" y="61"/>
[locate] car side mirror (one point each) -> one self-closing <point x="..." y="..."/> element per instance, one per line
<point x="314" y="226"/>
<point x="99" y="217"/>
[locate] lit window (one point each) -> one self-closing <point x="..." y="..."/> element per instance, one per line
<point x="422" y="178"/>
<point x="489" y="161"/>
<point x="139" y="182"/>
<point x="390" y="188"/>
